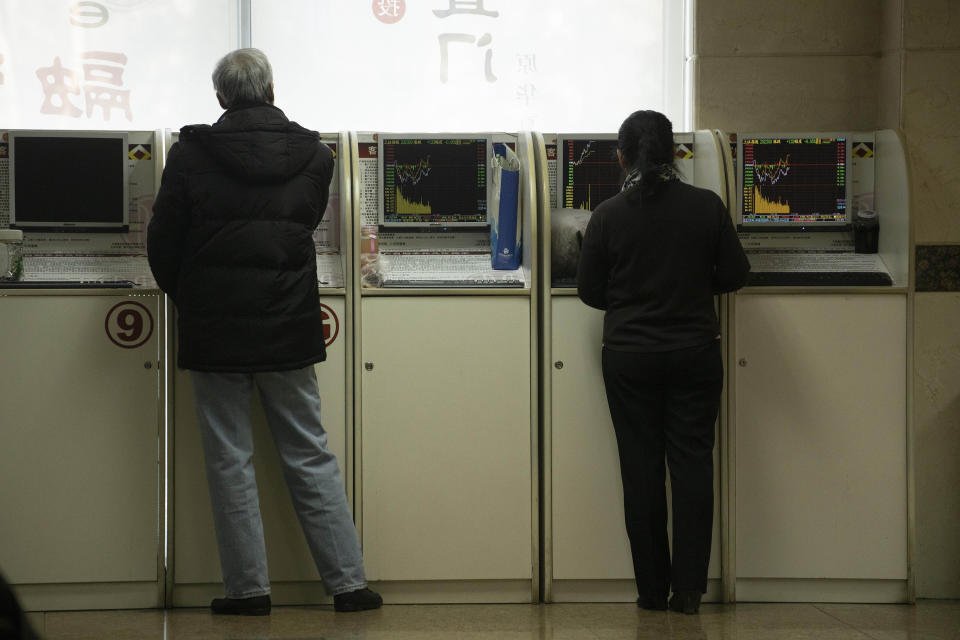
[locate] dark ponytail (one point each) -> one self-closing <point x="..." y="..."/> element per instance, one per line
<point x="645" y="140"/>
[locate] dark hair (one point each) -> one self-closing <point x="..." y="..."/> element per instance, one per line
<point x="645" y="140"/>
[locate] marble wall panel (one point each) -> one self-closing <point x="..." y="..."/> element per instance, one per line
<point x="891" y="25"/>
<point x="761" y="27"/>
<point x="931" y="122"/>
<point x="890" y="86"/>
<point x="808" y="93"/>
<point x="937" y="267"/>
<point x="931" y="24"/>
<point x="936" y="426"/>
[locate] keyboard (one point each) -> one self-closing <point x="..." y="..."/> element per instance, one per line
<point x="454" y="283"/>
<point x="819" y="278"/>
<point x="83" y="272"/>
<point x="791" y="269"/>
<point x="67" y="284"/>
<point x="445" y="270"/>
<point x="435" y="262"/>
<point x="823" y="261"/>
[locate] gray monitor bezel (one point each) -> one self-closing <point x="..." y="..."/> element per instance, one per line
<point x="120" y="226"/>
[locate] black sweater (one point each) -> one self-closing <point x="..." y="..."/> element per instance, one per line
<point x="231" y="241"/>
<point x="654" y="264"/>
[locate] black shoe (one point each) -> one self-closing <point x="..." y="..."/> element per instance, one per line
<point x="359" y="600"/>
<point x="687" y="602"/>
<point x="255" y="606"/>
<point x="652" y="603"/>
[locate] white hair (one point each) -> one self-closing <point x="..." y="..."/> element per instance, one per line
<point x="242" y="76"/>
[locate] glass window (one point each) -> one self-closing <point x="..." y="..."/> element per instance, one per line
<point x="461" y="65"/>
<point x="549" y="65"/>
<point x="111" y="64"/>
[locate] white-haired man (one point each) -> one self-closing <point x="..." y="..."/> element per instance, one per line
<point x="231" y="242"/>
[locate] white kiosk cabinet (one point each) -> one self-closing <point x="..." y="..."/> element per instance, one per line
<point x="821" y="464"/>
<point x="587" y="553"/>
<point x="80" y="466"/>
<point x="81" y="384"/>
<point x="819" y="419"/>
<point x="447" y="421"/>
<point x="194" y="574"/>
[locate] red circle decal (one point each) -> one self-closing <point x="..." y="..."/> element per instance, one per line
<point x="331" y="325"/>
<point x="389" y="11"/>
<point x="129" y="324"/>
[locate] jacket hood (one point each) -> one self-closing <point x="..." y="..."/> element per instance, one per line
<point x="256" y="143"/>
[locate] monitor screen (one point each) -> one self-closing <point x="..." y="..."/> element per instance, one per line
<point x="433" y="180"/>
<point x="589" y="172"/>
<point x="68" y="180"/>
<point x="794" y="181"/>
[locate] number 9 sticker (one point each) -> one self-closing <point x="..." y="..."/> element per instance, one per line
<point x="129" y="324"/>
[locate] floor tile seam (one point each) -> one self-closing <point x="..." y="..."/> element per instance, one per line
<point x="844" y="622"/>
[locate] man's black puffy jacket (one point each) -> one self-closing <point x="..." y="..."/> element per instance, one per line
<point x="231" y="241"/>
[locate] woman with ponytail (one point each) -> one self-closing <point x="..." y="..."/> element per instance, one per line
<point x="653" y="258"/>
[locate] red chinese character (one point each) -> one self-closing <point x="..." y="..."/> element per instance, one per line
<point x="59" y="83"/>
<point x="95" y="74"/>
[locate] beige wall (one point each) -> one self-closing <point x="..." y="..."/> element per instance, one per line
<point x="863" y="64"/>
<point x="759" y="62"/>
<point x="930" y="117"/>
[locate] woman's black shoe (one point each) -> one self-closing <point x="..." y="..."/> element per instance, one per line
<point x="685" y="602"/>
<point x="255" y="606"/>
<point x="359" y="600"/>
<point x="652" y="604"/>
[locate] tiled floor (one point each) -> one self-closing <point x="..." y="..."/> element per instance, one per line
<point x="926" y="620"/>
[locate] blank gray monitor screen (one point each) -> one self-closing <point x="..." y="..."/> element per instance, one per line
<point x="68" y="182"/>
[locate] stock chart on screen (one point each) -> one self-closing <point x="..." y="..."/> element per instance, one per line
<point x="434" y="181"/>
<point x="589" y="171"/>
<point x="794" y="181"/>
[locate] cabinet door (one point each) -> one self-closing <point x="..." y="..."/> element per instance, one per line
<point x="589" y="535"/>
<point x="821" y="436"/>
<point x="79" y="467"/>
<point x="445" y="438"/>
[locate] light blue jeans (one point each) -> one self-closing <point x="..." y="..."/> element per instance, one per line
<point x="291" y="403"/>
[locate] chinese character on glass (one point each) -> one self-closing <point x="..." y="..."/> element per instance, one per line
<point x="389" y="11"/>
<point x="526" y="92"/>
<point x="447" y="38"/>
<point x="101" y="86"/>
<point x="105" y="68"/>
<point x="389" y="8"/>
<point x="58" y="85"/>
<point x="527" y="62"/>
<point x="465" y="6"/>
<point x="89" y="15"/>
<point x="474" y="7"/>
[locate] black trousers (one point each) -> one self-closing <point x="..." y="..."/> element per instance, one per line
<point x="664" y="406"/>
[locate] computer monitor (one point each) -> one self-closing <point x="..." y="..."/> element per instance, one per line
<point x="794" y="181"/>
<point x="433" y="180"/>
<point x="68" y="180"/>
<point x="589" y="171"/>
